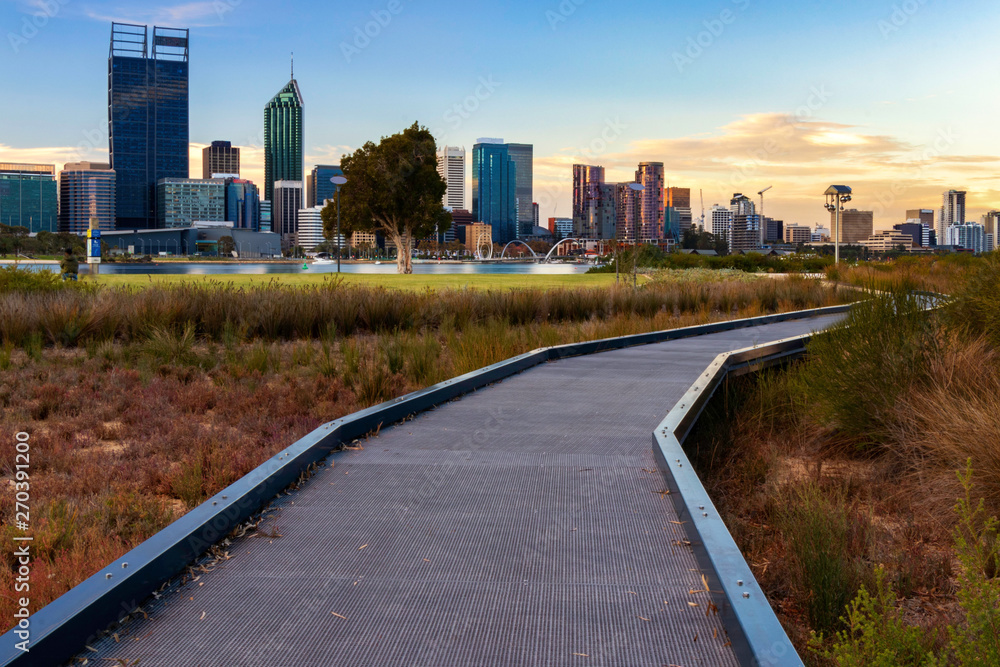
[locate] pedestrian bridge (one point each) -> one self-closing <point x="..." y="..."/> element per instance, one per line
<point x="515" y="516"/>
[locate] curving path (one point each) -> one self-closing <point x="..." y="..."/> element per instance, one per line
<point x="520" y="525"/>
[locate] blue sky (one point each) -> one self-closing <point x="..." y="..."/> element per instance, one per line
<point x="893" y="98"/>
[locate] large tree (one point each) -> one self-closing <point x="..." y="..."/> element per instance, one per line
<point x="393" y="187"/>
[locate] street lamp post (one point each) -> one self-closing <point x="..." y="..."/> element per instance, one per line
<point x="337" y="182"/>
<point x="836" y="197"/>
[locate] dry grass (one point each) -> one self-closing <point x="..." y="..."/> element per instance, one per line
<point x="168" y="402"/>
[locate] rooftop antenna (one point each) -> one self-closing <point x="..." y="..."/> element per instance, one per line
<point x="293" y="65"/>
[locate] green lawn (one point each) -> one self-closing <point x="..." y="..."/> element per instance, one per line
<point x="394" y="281"/>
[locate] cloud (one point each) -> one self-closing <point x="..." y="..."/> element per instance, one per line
<point x="799" y="157"/>
<point x="185" y="15"/>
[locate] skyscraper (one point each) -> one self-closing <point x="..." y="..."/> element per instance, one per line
<point x="451" y="167"/>
<point x="86" y="190"/>
<point x="321" y="187"/>
<point x="722" y="223"/>
<point x="220" y="158"/>
<point x="595" y="211"/>
<point x="242" y="204"/>
<point x="650" y="175"/>
<point x="283" y="138"/>
<point x="745" y="226"/>
<point x="285" y="211"/>
<point x="523" y="156"/>
<point x="28" y="196"/>
<point x="628" y="208"/>
<point x="147" y="117"/>
<point x="184" y="201"/>
<point x="952" y="212"/>
<point x="677" y="202"/>
<point x="924" y="215"/>
<point x="494" y="188"/>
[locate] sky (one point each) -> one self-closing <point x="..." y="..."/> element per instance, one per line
<point x="889" y="97"/>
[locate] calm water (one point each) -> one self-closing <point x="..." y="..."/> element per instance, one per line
<point x="184" y="268"/>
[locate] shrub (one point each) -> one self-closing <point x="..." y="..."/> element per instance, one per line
<point x="861" y="367"/>
<point x="975" y="306"/>
<point x="823" y="534"/>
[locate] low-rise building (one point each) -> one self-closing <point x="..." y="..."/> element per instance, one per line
<point x="796" y="234"/>
<point x="890" y="239"/>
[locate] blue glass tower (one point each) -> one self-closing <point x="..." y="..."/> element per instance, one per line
<point x="147" y="117"/>
<point x="283" y="138"/>
<point x="320" y="187"/>
<point x="494" y="188"/>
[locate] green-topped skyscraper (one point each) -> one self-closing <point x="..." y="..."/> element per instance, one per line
<point x="283" y="144"/>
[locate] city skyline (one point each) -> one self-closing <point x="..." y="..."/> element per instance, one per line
<point x="717" y="118"/>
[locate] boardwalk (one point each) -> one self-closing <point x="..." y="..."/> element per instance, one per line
<point x="520" y="525"/>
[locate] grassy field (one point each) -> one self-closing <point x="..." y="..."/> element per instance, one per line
<point x="393" y="281"/>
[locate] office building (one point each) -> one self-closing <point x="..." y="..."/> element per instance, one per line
<point x="677" y="202"/>
<point x="364" y="240"/>
<point x="147" y="117"/>
<point x="722" y="223"/>
<point x="855" y="225"/>
<point x="321" y="188"/>
<point x="971" y="236"/>
<point x="651" y="213"/>
<point x="243" y="204"/>
<point x="451" y="168"/>
<point x="523" y="157"/>
<point x="536" y="214"/>
<point x="86" y="190"/>
<point x="220" y="158"/>
<point x="285" y="211"/>
<point x="886" y="241"/>
<point x="774" y="230"/>
<point x="822" y="234"/>
<point x="310" y="231"/>
<point x="28" y="196"/>
<point x="796" y="234"/>
<point x="561" y="228"/>
<point x="183" y="201"/>
<point x="478" y="238"/>
<point x="924" y="215"/>
<point x="283" y="139"/>
<point x="989" y="222"/>
<point x="952" y="211"/>
<point x="745" y="227"/>
<point x="265" y="215"/>
<point x="914" y="229"/>
<point x="494" y="189"/>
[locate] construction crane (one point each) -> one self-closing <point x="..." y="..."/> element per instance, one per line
<point x="702" y="195"/>
<point x="763" y="224"/>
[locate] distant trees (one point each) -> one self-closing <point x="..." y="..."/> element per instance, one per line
<point x="697" y="240"/>
<point x="392" y="188"/>
<point x="15" y="239"/>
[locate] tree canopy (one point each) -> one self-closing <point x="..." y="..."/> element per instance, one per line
<point x="393" y="188"/>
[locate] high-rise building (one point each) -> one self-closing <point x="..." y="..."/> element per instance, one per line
<point x="285" y="211"/>
<point x="952" y="211"/>
<point x="971" y="236"/>
<point x="561" y="228"/>
<point x="745" y="226"/>
<point x="855" y="226"/>
<point x="536" y="214"/>
<point x="184" y="201"/>
<point x="595" y="204"/>
<point x="774" y="230"/>
<point x="243" y="204"/>
<point x="722" y="223"/>
<point x="28" y="196"/>
<point x="627" y="212"/>
<point x="321" y="187"/>
<point x="283" y="138"/>
<point x="451" y="168"/>
<point x="220" y="158"/>
<point x="523" y="157"/>
<point x="494" y="188"/>
<point x="147" y="117"/>
<point x="914" y="229"/>
<point x="86" y="190"/>
<point x="651" y="176"/>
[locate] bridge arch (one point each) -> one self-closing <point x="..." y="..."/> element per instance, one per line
<point x="504" y="253"/>
<point x="556" y="247"/>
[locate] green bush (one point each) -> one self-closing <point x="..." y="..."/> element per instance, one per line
<point x="859" y="368"/>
